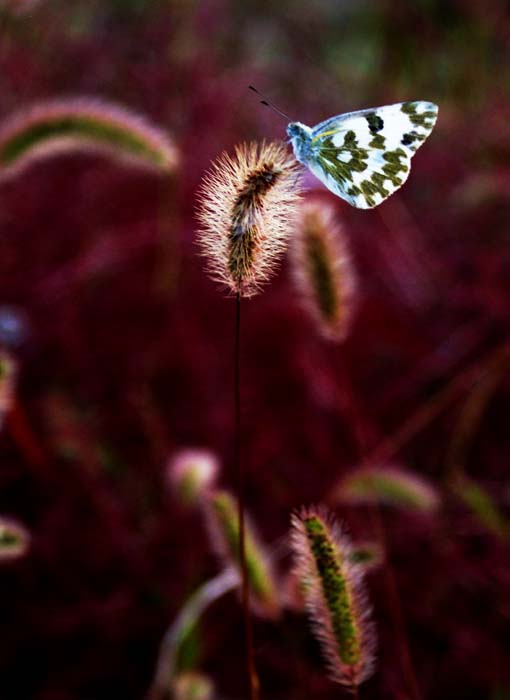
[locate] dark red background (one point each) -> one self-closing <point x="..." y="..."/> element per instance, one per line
<point x="128" y="352"/>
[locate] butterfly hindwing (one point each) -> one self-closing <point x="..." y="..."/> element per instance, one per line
<point x="365" y="156"/>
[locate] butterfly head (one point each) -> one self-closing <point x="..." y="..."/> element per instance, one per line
<point x="300" y="136"/>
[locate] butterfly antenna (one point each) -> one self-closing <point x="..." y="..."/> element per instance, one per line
<point x="269" y="104"/>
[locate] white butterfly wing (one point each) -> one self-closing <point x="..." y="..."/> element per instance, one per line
<point x="366" y="156"/>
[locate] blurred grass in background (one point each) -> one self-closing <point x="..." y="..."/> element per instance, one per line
<point x="125" y="353"/>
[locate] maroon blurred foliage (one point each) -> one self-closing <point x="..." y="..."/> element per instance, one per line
<point x="126" y="348"/>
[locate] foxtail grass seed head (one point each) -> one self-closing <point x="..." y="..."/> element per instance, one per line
<point x="366" y="555"/>
<point x="389" y="485"/>
<point x="191" y="472"/>
<point x="14" y="539"/>
<point x="334" y="593"/>
<point x="323" y="270"/>
<point x="246" y="212"/>
<point x="222" y="515"/>
<point x="192" y="685"/>
<point x="82" y="124"/>
<point x="8" y="374"/>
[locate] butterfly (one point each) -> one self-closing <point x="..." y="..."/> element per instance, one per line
<point x="364" y="156"/>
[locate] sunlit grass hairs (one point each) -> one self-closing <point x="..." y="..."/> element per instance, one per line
<point x="221" y="512"/>
<point x="323" y="269"/>
<point x="334" y="594"/>
<point x="246" y="211"/>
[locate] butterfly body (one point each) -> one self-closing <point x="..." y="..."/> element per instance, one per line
<point x="364" y="156"/>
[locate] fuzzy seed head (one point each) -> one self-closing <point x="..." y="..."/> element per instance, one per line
<point x="222" y="517"/>
<point x="334" y="595"/>
<point x="247" y="209"/>
<point x="323" y="270"/>
<point x="191" y="473"/>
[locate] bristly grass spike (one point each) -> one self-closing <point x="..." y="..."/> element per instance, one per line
<point x="335" y="596"/>
<point x="247" y="209"/>
<point x="324" y="270"/>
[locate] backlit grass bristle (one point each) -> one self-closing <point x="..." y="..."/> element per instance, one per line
<point x="334" y="595"/>
<point x="388" y="485"/>
<point x="82" y="124"/>
<point x="323" y="270"/>
<point x="14" y="539"/>
<point x="8" y="374"/>
<point x="246" y="211"/>
<point x="191" y="472"/>
<point x="223" y="523"/>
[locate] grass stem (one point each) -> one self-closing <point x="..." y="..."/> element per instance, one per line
<point x="241" y="488"/>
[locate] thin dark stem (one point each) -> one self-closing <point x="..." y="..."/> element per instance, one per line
<point x="241" y="493"/>
<point x="395" y="606"/>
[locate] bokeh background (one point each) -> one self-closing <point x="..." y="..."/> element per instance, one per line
<point x="125" y="347"/>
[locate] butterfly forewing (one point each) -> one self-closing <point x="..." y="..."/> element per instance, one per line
<point x="365" y="156"/>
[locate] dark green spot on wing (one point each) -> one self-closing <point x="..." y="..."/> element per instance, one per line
<point x="375" y="123"/>
<point x="375" y="189"/>
<point x="424" y="119"/>
<point x="394" y="165"/>
<point x="341" y="171"/>
<point x="377" y="142"/>
<point x="412" y="139"/>
<point x="380" y="178"/>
